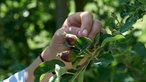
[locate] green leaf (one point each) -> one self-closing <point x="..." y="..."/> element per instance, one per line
<point x="113" y="25"/>
<point x="143" y="5"/>
<point x="124" y="12"/>
<point x="83" y="43"/>
<point x="59" y="70"/>
<point x="75" y="49"/>
<point x="140" y="49"/>
<point x="114" y="38"/>
<point x="48" y="66"/>
<point x="103" y="36"/>
<point x="143" y="2"/>
<point x="76" y="62"/>
<point x="127" y="26"/>
<point x="42" y="76"/>
<point x="103" y="60"/>
<point x="66" y="78"/>
<point x="105" y="72"/>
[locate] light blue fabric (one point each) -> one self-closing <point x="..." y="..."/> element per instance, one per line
<point x="17" y="77"/>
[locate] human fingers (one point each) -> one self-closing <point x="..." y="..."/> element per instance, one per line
<point x="81" y="20"/>
<point x="71" y="30"/>
<point x="72" y="20"/>
<point x="56" y="44"/>
<point x="86" y="23"/>
<point x="95" y="29"/>
<point x="58" y="37"/>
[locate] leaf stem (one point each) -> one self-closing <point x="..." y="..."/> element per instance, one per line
<point x="89" y="53"/>
<point x="70" y="73"/>
<point x="118" y="21"/>
<point x="96" y="52"/>
<point x="84" y="66"/>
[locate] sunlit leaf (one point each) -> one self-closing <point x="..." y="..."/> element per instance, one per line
<point x="109" y="39"/>
<point x="45" y="67"/>
<point x="59" y="70"/>
<point x="42" y="76"/>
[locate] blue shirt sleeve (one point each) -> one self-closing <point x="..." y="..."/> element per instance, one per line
<point x="17" y="77"/>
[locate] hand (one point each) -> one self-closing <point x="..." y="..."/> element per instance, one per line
<point x="80" y="24"/>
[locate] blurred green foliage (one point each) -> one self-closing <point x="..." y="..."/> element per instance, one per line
<point x="26" y="27"/>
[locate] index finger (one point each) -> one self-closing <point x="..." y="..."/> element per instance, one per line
<point x="86" y="23"/>
<point x="83" y="20"/>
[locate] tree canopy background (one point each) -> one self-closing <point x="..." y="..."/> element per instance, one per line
<point x="27" y="26"/>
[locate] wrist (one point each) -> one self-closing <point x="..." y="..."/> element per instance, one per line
<point x="48" y="54"/>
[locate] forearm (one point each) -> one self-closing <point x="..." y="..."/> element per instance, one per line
<point x="46" y="55"/>
<point x="30" y="69"/>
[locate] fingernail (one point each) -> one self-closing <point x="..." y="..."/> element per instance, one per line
<point x="70" y="28"/>
<point x="79" y="33"/>
<point x="85" y="32"/>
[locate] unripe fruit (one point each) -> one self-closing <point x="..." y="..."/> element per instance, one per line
<point x="70" y="38"/>
<point x="65" y="55"/>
